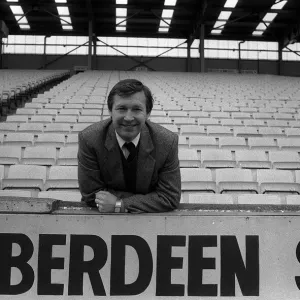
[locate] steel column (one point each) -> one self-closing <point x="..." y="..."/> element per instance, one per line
<point x="90" y="45"/>
<point x="201" y="48"/>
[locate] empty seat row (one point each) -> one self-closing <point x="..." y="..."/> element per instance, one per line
<point x="251" y="159"/>
<point x="38" y="155"/>
<point x="46" y="139"/>
<point x="236" y="143"/>
<point x="240" y="180"/>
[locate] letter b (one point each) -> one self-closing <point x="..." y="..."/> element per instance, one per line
<point x="7" y="261"/>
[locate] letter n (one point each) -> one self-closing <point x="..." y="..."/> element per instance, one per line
<point x="232" y="265"/>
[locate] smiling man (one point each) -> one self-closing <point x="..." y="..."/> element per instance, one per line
<point x="127" y="163"/>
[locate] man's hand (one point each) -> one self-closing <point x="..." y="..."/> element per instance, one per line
<point x="105" y="201"/>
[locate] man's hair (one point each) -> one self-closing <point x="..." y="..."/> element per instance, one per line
<point x="127" y="87"/>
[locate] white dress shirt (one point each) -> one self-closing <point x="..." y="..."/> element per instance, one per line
<point x="121" y="143"/>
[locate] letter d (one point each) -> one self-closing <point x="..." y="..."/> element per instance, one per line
<point x="7" y="261"/>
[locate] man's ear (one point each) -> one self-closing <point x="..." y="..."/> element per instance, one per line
<point x="148" y="115"/>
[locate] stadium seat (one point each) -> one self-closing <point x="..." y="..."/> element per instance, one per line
<point x="41" y="119"/>
<point x="47" y="112"/>
<point x="22" y="139"/>
<point x="198" y="114"/>
<point x="220" y="115"/>
<point x="89" y="119"/>
<point x="17" y="119"/>
<point x="77" y="106"/>
<point x="285" y="159"/>
<point x="161" y="120"/>
<point x="277" y="123"/>
<point x="177" y="113"/>
<point x="263" y="116"/>
<point x="15" y="193"/>
<point x="69" y="112"/>
<point x="231" y="122"/>
<point x="62" y="177"/>
<point x="192" y="130"/>
<point x="282" y="116"/>
<point x="252" y="159"/>
<point x="79" y="127"/>
<point x="66" y="119"/>
<point x="184" y="121"/>
<point x="271" y="131"/>
<point x="217" y="158"/>
<point x="246" y="131"/>
<point x="292" y="132"/>
<point x="182" y="142"/>
<point x="203" y="198"/>
<point x="208" y="122"/>
<point x="91" y="112"/>
<point x="197" y="179"/>
<point x="8" y="127"/>
<point x="63" y="128"/>
<point x="253" y="199"/>
<point x="88" y="106"/>
<point x="235" y="180"/>
<point x="289" y="144"/>
<point x="277" y="181"/>
<point x="254" y="123"/>
<point x="188" y="158"/>
<point x="39" y="155"/>
<point x="33" y="105"/>
<point x="232" y="143"/>
<point x="10" y="155"/>
<point x="72" y="139"/>
<point x="240" y="115"/>
<point x="26" y="111"/>
<point x="262" y="143"/>
<point x="50" y="139"/>
<point x="293" y="199"/>
<point x="72" y="196"/>
<point x="219" y="131"/>
<point x="25" y="177"/>
<point x="54" y="106"/>
<point x="202" y="142"/>
<point x="31" y="127"/>
<point x="68" y="156"/>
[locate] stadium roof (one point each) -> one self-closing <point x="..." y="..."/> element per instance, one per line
<point x="224" y="19"/>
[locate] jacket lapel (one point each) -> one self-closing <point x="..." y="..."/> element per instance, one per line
<point x="145" y="163"/>
<point x="113" y="161"/>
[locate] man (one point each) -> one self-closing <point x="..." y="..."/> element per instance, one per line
<point x="127" y="163"/>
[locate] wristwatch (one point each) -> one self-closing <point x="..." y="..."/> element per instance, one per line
<point x="118" y="206"/>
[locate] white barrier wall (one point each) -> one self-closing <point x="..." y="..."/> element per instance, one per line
<point x="163" y="256"/>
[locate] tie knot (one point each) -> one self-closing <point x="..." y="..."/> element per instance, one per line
<point x="131" y="149"/>
<point x="130" y="146"/>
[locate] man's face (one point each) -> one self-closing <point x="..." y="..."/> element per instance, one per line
<point x="129" y="115"/>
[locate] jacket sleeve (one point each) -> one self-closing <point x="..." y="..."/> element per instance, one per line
<point x="89" y="175"/>
<point x="167" y="192"/>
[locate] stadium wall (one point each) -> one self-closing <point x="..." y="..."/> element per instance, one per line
<point x="27" y="61"/>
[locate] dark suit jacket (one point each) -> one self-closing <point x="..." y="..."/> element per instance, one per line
<point x="158" y="184"/>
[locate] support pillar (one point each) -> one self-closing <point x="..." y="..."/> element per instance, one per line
<point x="279" y="63"/>
<point x="201" y="48"/>
<point x="94" y="53"/>
<point x="90" y="45"/>
<point x="1" y="46"/>
<point x="188" y="60"/>
<point x="45" y="52"/>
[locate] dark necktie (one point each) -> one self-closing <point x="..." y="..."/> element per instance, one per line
<point x="132" y="151"/>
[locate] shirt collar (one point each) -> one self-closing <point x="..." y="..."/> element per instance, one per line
<point x="121" y="142"/>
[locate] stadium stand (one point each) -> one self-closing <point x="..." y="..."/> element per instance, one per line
<point x="230" y="145"/>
